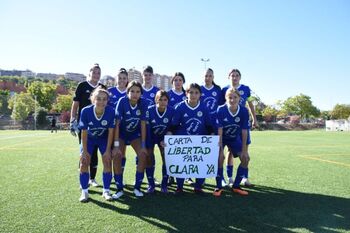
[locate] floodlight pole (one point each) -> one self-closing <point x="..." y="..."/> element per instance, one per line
<point x="205" y="60"/>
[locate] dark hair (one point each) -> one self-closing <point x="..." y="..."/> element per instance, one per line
<point x="133" y="83"/>
<point x="235" y="70"/>
<point x="162" y="93"/>
<point x="211" y="70"/>
<point x="148" y="69"/>
<point x="194" y="86"/>
<point x="96" y="65"/>
<point x="123" y="71"/>
<point x="178" y="74"/>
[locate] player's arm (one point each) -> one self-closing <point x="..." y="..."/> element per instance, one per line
<point x="74" y="110"/>
<point x="84" y="136"/>
<point x="253" y="113"/>
<point x="143" y="135"/>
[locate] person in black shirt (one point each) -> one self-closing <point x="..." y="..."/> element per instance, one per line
<point x="53" y="124"/>
<point x="81" y="99"/>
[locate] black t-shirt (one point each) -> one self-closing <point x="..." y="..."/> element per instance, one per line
<point x="82" y="95"/>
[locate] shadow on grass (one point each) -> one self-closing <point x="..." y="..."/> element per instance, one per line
<point x="266" y="209"/>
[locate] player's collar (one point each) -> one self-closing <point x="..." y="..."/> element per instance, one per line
<point x="121" y="92"/>
<point x="233" y="114"/>
<point x="208" y="89"/>
<point x="160" y="116"/>
<point x="96" y="115"/>
<point x="92" y="85"/>
<point x="192" y="108"/>
<point x="147" y="89"/>
<point x="177" y="93"/>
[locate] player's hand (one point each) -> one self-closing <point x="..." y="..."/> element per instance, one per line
<point x="74" y="130"/>
<point x="162" y="144"/>
<point x="144" y="151"/>
<point x="116" y="153"/>
<point x="108" y="155"/>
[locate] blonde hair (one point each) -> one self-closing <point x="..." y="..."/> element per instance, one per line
<point x="232" y="90"/>
<point x="97" y="91"/>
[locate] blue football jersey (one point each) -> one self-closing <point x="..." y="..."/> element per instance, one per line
<point x="232" y="123"/>
<point x="175" y="98"/>
<point x="114" y="96"/>
<point x="96" y="127"/>
<point x="130" y="117"/>
<point x="159" y="123"/>
<point x="244" y="91"/>
<point x="211" y="98"/>
<point x="191" y="121"/>
<point x="149" y="94"/>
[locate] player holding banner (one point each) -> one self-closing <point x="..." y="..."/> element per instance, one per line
<point x="232" y="123"/>
<point x="191" y="118"/>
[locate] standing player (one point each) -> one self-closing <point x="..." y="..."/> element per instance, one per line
<point x="245" y="92"/>
<point x="177" y="93"/>
<point x="191" y="118"/>
<point x="97" y="126"/>
<point x="131" y="117"/>
<point x="232" y="123"/>
<point x="81" y="99"/>
<point x="119" y="90"/>
<point x="160" y="117"/>
<point x="211" y="93"/>
<point x="148" y="93"/>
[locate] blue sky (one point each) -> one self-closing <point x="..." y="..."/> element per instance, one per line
<point x="282" y="48"/>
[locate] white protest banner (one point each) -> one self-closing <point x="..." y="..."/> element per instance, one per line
<point x="189" y="156"/>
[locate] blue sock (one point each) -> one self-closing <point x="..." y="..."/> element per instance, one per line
<point x="180" y="183"/>
<point x="246" y="174"/>
<point x="84" y="180"/>
<point x="240" y="173"/>
<point x="138" y="179"/>
<point x="199" y="183"/>
<point x="229" y="170"/>
<point x="150" y="176"/>
<point x="165" y="177"/>
<point x="123" y="164"/>
<point x="136" y="160"/>
<point x="107" y="178"/>
<point x="219" y="178"/>
<point x="118" y="178"/>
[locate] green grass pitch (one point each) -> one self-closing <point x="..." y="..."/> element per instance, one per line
<point x="302" y="184"/>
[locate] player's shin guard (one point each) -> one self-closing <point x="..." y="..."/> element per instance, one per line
<point x="118" y="178"/>
<point x="219" y="178"/>
<point x="180" y="183"/>
<point x="165" y="177"/>
<point x="107" y="178"/>
<point x="138" y="179"/>
<point x="84" y="180"/>
<point x="240" y="174"/>
<point x="229" y="171"/>
<point x="150" y="176"/>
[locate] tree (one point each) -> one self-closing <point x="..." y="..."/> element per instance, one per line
<point x="63" y="103"/>
<point x="340" y="111"/>
<point x="45" y="93"/>
<point x="21" y="104"/>
<point x="4" y="98"/>
<point x="41" y="117"/>
<point x="270" y="113"/>
<point x="300" y="105"/>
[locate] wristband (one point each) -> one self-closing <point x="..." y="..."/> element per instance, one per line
<point x="116" y="143"/>
<point x="143" y="144"/>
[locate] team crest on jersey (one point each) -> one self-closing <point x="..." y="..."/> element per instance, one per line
<point x="104" y="122"/>
<point x="138" y="112"/>
<point x="165" y="120"/>
<point x="152" y="95"/>
<point x="237" y="119"/>
<point x="199" y="113"/>
<point x="241" y="92"/>
<point x="214" y="93"/>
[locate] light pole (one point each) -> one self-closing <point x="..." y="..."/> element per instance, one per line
<point x="35" y="115"/>
<point x="205" y="60"/>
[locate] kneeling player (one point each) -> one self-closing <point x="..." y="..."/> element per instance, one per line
<point x="97" y="124"/>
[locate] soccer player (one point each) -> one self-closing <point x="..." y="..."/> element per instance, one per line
<point x="160" y="117"/>
<point x="211" y="92"/>
<point x="177" y="93"/>
<point x="97" y="126"/>
<point x="81" y="99"/>
<point x="119" y="90"/>
<point x="191" y="118"/>
<point x="245" y="92"/>
<point x="131" y="116"/>
<point x="232" y="123"/>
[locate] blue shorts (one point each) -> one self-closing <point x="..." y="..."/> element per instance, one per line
<point x="100" y="143"/>
<point x="152" y="140"/>
<point x="235" y="146"/>
<point x="128" y="138"/>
